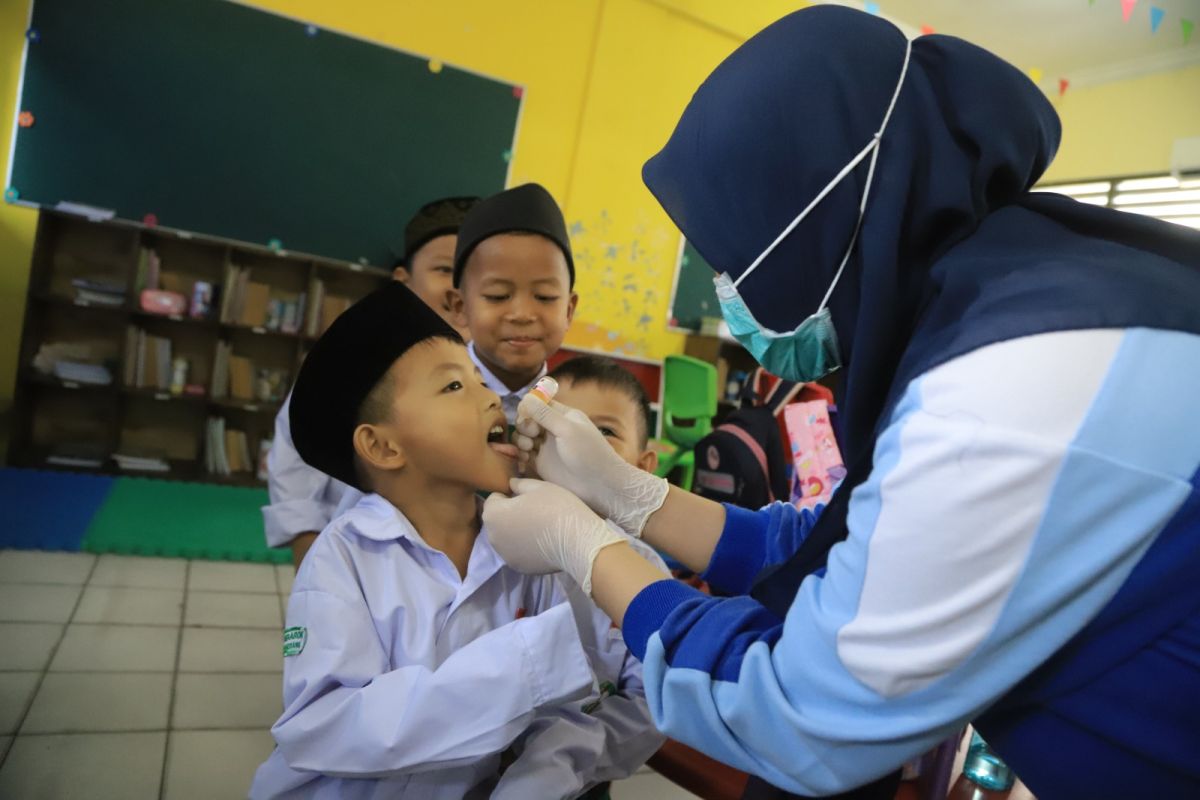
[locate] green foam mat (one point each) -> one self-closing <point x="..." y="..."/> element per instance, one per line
<point x="142" y="516"/>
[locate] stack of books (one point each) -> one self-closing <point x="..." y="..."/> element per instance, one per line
<point x="141" y="462"/>
<point x="250" y="303"/>
<point x="98" y="292"/>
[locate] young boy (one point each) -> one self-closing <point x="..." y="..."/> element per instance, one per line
<point x="304" y="500"/>
<point x="613" y="400"/>
<point x="416" y="663"/>
<point x="428" y="263"/>
<point x="515" y="280"/>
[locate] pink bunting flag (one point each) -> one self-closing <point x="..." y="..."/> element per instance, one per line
<point x="1063" y="83"/>
<point x="1156" y="18"/>
<point x="1127" y="8"/>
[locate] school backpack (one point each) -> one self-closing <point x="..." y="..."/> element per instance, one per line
<point x="743" y="461"/>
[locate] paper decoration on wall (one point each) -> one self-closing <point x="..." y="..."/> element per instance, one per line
<point x="150" y="220"/>
<point x="507" y="156"/>
<point x="1187" y="25"/>
<point x="25" y="119"/>
<point x="1156" y="18"/>
<point x="33" y="35"/>
<point x="11" y="194"/>
<point x="311" y="30"/>
<point x="1035" y="75"/>
<point x="926" y="30"/>
<point x="871" y="8"/>
<point x="1127" y="8"/>
<point x="518" y="92"/>
<point x="1063" y="83"/>
<point x="435" y="66"/>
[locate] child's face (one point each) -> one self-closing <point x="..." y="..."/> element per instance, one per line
<point x="616" y="415"/>
<point x="516" y="299"/>
<point x="442" y="420"/>
<point x="431" y="276"/>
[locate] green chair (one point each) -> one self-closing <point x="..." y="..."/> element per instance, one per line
<point x="688" y="407"/>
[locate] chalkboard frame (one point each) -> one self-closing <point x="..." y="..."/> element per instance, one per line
<point x="378" y="257"/>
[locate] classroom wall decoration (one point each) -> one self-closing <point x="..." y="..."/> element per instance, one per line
<point x="624" y="280"/>
<point x="223" y="119"/>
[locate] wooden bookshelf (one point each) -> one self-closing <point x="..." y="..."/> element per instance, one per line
<point x="55" y="416"/>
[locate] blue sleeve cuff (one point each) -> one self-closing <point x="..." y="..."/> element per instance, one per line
<point x="650" y="608"/>
<point x="741" y="552"/>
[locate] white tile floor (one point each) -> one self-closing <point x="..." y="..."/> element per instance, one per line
<point x="131" y="678"/>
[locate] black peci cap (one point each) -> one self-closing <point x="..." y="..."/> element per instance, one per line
<point x="439" y="218"/>
<point x="345" y="364"/>
<point x="528" y="208"/>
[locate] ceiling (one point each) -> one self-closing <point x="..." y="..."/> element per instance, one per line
<point x="1086" y="42"/>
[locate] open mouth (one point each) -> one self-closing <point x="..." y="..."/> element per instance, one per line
<point x="497" y="439"/>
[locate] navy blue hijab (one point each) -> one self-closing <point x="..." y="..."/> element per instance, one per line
<point x="955" y="253"/>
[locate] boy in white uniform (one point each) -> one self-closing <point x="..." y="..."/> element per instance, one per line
<point x="417" y="663"/>
<point x="304" y="500"/>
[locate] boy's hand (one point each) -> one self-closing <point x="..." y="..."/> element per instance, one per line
<point x="574" y="454"/>
<point x="544" y="528"/>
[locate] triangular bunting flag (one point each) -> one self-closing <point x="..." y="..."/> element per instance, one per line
<point x="1187" y="26"/>
<point x="1035" y="75"/>
<point x="1156" y="17"/>
<point x="926" y="30"/>
<point x="1127" y="8"/>
<point x="871" y="8"/>
<point x="1063" y="83"/>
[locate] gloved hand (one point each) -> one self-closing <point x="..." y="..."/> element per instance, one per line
<point x="575" y="455"/>
<point x="544" y="528"/>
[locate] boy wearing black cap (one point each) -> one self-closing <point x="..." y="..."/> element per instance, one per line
<point x="428" y="264"/>
<point x="414" y="657"/>
<point x="304" y="500"/>
<point x="515" y="279"/>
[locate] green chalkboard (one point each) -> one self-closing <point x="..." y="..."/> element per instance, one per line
<point x="230" y="121"/>
<point x="694" y="295"/>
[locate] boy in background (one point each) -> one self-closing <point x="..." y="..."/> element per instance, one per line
<point x="304" y="500"/>
<point x="515" y="281"/>
<point x="414" y="658"/>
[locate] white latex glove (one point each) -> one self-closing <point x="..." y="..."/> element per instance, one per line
<point x="575" y="455"/>
<point x="544" y="528"/>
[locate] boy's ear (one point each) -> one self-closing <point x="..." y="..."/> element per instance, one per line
<point x="377" y="448"/>
<point x="574" y="301"/>
<point x="401" y="274"/>
<point x="648" y="460"/>
<point x="458" y="308"/>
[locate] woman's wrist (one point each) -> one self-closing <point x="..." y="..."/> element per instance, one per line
<point x="618" y="575"/>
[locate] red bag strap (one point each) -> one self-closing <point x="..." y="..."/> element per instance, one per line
<point x="755" y="448"/>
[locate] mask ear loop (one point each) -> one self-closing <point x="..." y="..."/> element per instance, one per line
<point x="872" y="148"/>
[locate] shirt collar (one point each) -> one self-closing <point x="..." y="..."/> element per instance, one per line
<point x="497" y="385"/>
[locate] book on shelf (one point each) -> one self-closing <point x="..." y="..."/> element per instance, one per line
<point x="220" y="375"/>
<point x="142" y="461"/>
<point x="82" y="455"/>
<point x="226" y="450"/>
<point x="255" y="299"/>
<point x="149" y="271"/>
<point x="147" y="360"/>
<point x="331" y="307"/>
<point x="241" y="378"/>
<point x="312" y="311"/>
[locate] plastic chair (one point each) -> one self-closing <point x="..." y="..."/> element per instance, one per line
<point x="688" y="407"/>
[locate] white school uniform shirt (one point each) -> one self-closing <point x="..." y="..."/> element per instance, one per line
<point x="305" y="499"/>
<point x="403" y="680"/>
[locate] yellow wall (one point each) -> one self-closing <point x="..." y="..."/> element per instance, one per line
<point x="1127" y="127"/>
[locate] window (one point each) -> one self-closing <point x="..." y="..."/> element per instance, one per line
<point x="1162" y="196"/>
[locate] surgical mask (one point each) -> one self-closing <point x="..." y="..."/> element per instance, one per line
<point x="810" y="351"/>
